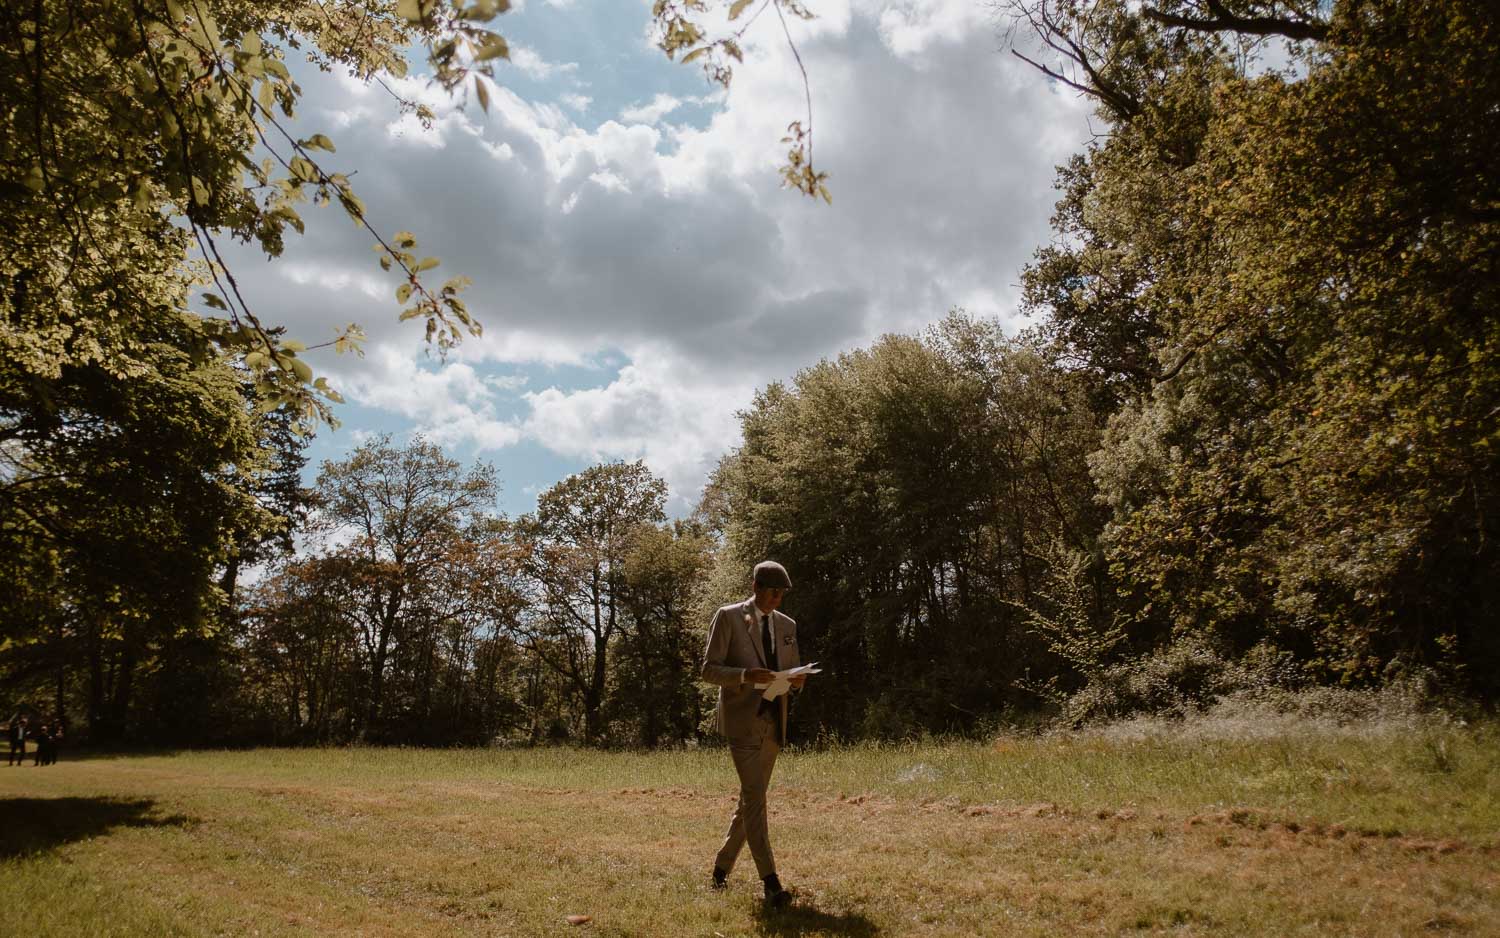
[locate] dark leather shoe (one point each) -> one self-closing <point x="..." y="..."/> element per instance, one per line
<point x="721" y="878"/>
<point x="776" y="897"/>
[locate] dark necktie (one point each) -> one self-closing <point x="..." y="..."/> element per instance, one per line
<point x="767" y="642"/>
<point x="770" y="706"/>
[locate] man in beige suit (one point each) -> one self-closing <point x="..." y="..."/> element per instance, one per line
<point x="746" y="642"/>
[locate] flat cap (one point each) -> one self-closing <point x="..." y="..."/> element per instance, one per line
<point x="769" y="573"/>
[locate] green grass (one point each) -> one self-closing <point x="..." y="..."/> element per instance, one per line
<point x="1312" y="830"/>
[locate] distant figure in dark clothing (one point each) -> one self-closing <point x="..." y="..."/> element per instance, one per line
<point x="17" y="736"/>
<point x="46" y="744"/>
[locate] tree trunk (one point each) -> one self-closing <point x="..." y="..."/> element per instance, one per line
<point x="377" y="666"/>
<point x="96" y="679"/>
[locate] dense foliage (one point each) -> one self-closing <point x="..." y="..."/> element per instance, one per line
<point x="146" y="428"/>
<point x="1287" y="281"/>
<point x="1253" y="438"/>
<point x="921" y="491"/>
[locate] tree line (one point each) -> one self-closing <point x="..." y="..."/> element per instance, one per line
<point x="1249" y="440"/>
<point x="921" y="489"/>
<point x="434" y="620"/>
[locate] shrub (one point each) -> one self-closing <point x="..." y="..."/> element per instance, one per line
<point x="1264" y="688"/>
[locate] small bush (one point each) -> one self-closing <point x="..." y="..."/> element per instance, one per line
<point x="1180" y="678"/>
<point x="890" y="717"/>
<point x="1262" y="694"/>
<point x="1264" y="687"/>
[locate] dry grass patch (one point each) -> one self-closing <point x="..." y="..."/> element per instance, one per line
<point x="1087" y="836"/>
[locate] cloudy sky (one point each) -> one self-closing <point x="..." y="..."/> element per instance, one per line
<point x="638" y="271"/>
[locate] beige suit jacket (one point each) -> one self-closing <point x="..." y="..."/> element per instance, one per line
<point x="734" y="644"/>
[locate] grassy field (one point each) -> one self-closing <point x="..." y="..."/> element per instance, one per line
<point x="1311" y="830"/>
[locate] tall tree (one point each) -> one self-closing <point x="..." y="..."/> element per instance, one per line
<point x="576" y="546"/>
<point x="123" y="500"/>
<point x="299" y="642"/>
<point x="655" y="667"/>
<point x="912" y="487"/>
<point x="1304" y="261"/>
<point x="404" y="508"/>
<point x="132" y="133"/>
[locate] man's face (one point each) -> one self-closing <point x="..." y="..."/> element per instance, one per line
<point x="768" y="598"/>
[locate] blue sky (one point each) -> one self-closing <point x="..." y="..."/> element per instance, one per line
<point x="637" y="268"/>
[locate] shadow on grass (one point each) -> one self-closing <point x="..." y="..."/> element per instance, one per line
<point x="35" y="825"/>
<point x="800" y="918"/>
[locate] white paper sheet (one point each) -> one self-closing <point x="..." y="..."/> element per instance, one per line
<point x="781" y="681"/>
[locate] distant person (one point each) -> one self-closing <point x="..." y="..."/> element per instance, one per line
<point x="746" y="642"/>
<point x="43" y="736"/>
<point x="17" y="736"/>
<point x="47" y="743"/>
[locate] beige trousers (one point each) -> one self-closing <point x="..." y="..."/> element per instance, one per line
<point x="754" y="759"/>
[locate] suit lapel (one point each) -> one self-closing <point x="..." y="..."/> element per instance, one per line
<point x="751" y="618"/>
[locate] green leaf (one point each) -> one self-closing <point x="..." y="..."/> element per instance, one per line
<point x="482" y="10"/>
<point x="319" y="142"/>
<point x="736" y="8"/>
<point x="214" y="302"/>
<point x="483" y="93"/>
<point x="304" y="169"/>
<point x="493" y="47"/>
<point x="403" y="293"/>
<point x="409" y="10"/>
<point x="352" y="205"/>
<point x="427" y="263"/>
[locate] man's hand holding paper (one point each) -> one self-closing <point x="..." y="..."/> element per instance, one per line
<point x="782" y="681"/>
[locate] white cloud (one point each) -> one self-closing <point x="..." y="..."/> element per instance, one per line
<point x="335" y="280"/>
<point x="672" y="414"/>
<point x="660" y="106"/>
<point x="534" y="66"/>
<point x="450" y="405"/>
<point x="660" y="407"/>
<point x="505" y="383"/>
<point x="910" y="27"/>
<point x="674" y="244"/>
